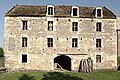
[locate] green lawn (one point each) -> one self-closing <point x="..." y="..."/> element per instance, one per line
<point x="96" y="75"/>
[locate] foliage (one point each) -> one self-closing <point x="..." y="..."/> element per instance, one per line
<point x="95" y="75"/>
<point x="1" y="52"/>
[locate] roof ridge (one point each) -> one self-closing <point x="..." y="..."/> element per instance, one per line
<point x="28" y="5"/>
<point x="75" y="5"/>
<point x="54" y="5"/>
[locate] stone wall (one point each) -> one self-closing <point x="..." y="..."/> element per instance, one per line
<point x="41" y="57"/>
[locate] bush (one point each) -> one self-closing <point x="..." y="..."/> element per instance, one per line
<point x="1" y="52"/>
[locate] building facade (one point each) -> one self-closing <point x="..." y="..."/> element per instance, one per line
<point x="47" y="37"/>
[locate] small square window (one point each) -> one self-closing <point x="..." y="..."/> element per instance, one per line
<point x="75" y="26"/>
<point x="74" y="42"/>
<point x="24" y="58"/>
<point x="24" y="41"/>
<point x="25" y="25"/>
<point x="98" y="26"/>
<point x="98" y="43"/>
<point x="98" y="58"/>
<point x="50" y="25"/>
<point x="50" y="42"/>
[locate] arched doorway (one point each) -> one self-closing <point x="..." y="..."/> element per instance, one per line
<point x="63" y="61"/>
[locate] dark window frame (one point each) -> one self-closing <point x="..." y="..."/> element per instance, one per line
<point x="99" y="12"/>
<point x="24" y="58"/>
<point x="75" y="11"/>
<point x="24" y="41"/>
<point x="50" y="42"/>
<point x="24" y="25"/>
<point x="99" y="26"/>
<point x="50" y="10"/>
<point x="98" y="58"/>
<point x="74" y="26"/>
<point x="50" y="25"/>
<point x="74" y="42"/>
<point x="98" y="43"/>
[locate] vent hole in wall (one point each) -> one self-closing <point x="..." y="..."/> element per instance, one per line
<point x="57" y="19"/>
<point x="69" y="20"/>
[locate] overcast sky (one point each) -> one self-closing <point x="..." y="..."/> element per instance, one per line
<point x="5" y="5"/>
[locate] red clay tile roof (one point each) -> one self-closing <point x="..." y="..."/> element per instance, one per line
<point x="60" y="11"/>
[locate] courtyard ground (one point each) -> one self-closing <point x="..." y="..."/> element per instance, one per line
<point x="95" y="75"/>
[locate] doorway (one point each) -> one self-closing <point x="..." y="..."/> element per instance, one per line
<point x="63" y="61"/>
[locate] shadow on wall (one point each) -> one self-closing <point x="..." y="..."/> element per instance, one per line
<point x="118" y="68"/>
<point x="26" y="77"/>
<point x="59" y="76"/>
<point x="118" y="61"/>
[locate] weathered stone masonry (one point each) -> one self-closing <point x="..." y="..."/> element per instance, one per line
<point x="40" y="56"/>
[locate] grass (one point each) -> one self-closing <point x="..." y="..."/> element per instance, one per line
<point x="96" y="75"/>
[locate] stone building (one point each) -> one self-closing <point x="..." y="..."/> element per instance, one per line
<point x="47" y="37"/>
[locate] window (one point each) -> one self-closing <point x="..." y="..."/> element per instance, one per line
<point x="50" y="10"/>
<point x="25" y="26"/>
<point x="99" y="13"/>
<point x="50" y="25"/>
<point x="98" y="58"/>
<point x="50" y="42"/>
<point x="98" y="43"/>
<point x="24" y="58"/>
<point x="74" y="42"/>
<point x="75" y="26"/>
<point x="75" y="12"/>
<point x="98" y="26"/>
<point x="24" y="41"/>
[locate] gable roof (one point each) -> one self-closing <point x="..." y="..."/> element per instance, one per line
<point x="60" y="11"/>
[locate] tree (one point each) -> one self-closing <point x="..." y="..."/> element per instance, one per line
<point x="1" y="52"/>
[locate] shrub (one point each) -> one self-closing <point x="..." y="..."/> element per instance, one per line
<point x="1" y="52"/>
